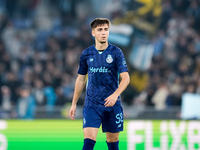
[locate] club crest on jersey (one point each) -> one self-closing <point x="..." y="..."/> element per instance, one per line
<point x="109" y="59"/>
<point x="91" y="59"/>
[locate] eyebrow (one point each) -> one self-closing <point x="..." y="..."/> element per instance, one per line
<point x="101" y="28"/>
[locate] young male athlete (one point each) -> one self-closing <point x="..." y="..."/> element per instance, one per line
<point x="104" y="63"/>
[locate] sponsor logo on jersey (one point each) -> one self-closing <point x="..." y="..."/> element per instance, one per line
<point x="109" y="59"/>
<point x="84" y="121"/>
<point x="101" y="70"/>
<point x="124" y="62"/>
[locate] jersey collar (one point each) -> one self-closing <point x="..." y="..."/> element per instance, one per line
<point x="104" y="50"/>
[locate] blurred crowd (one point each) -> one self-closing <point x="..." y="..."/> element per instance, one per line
<point x="41" y="41"/>
<point x="176" y="70"/>
<point x="40" y="45"/>
<point x="175" y="67"/>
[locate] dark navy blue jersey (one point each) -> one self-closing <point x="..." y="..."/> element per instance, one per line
<point x="103" y="71"/>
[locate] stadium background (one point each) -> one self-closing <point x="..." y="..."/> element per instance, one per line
<point x="40" y="45"/>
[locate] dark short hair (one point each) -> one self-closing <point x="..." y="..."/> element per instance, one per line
<point x="99" y="21"/>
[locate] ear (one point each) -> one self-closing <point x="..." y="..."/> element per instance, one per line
<point x="93" y="33"/>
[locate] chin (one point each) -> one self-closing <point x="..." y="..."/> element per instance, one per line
<point x="102" y="42"/>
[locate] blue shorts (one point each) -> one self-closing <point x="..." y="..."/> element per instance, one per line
<point x="111" y="118"/>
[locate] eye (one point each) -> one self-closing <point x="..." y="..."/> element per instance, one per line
<point x="99" y="29"/>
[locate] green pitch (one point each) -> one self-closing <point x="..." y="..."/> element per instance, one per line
<point x="68" y="135"/>
<point x="49" y="135"/>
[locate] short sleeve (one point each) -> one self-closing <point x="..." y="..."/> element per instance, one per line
<point x="121" y="62"/>
<point x="83" y="67"/>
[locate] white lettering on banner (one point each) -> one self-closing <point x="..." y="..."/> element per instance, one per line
<point x="149" y="136"/>
<point x="169" y="132"/>
<point x="193" y="135"/>
<point x="3" y="139"/>
<point x="134" y="138"/>
<point x="177" y="133"/>
<point x="3" y="125"/>
<point x="3" y="142"/>
<point x="164" y="136"/>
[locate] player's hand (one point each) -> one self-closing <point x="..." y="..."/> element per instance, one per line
<point x="72" y="111"/>
<point x="111" y="100"/>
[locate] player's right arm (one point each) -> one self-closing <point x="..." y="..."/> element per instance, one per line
<point x="79" y="85"/>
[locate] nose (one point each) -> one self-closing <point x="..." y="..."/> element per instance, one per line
<point x="104" y="32"/>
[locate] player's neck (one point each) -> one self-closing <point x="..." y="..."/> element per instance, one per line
<point x="101" y="46"/>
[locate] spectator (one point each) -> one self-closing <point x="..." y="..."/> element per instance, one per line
<point x="6" y="101"/>
<point x="160" y="96"/>
<point x="26" y="103"/>
<point x="176" y="90"/>
<point x="38" y="92"/>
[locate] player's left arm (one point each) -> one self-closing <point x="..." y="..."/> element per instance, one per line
<point x="125" y="80"/>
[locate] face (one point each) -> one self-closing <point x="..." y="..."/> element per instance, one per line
<point x="101" y="33"/>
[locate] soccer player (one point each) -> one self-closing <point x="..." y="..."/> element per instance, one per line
<point x="104" y="63"/>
